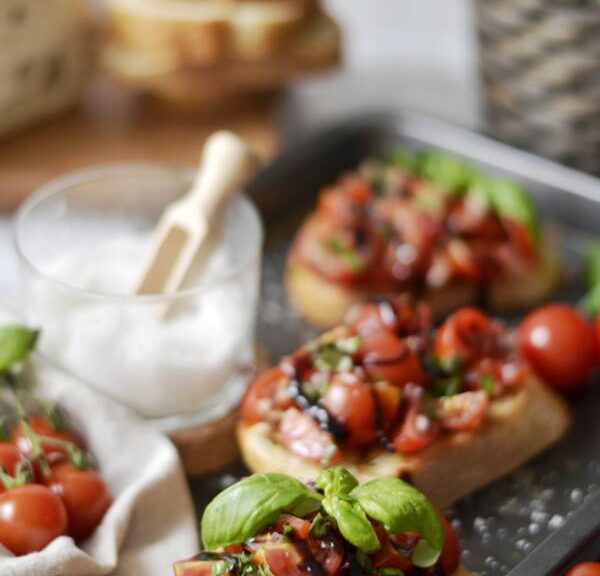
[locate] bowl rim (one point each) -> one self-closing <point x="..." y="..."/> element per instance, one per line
<point x="99" y="171"/>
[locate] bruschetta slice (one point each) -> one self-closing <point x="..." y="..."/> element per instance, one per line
<point x="449" y="410"/>
<point x="426" y="224"/>
<point x="274" y="525"/>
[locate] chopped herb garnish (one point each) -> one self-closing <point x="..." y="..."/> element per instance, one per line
<point x="320" y="526"/>
<point x="348" y="345"/>
<point x="347" y="253"/>
<point x="219" y="568"/>
<point x="487" y="383"/>
<point x="447" y="386"/>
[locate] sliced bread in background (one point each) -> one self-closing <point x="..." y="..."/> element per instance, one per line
<point x="45" y="56"/>
<point x="199" y="50"/>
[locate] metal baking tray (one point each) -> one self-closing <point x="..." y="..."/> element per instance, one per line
<point x="500" y="524"/>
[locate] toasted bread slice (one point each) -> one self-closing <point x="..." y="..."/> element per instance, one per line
<point x="516" y="428"/>
<point x="208" y="33"/>
<point x="159" y="72"/>
<point x="325" y="303"/>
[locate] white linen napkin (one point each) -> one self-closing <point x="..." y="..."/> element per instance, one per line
<point x="151" y="522"/>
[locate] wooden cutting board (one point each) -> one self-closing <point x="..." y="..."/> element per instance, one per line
<point x="112" y="124"/>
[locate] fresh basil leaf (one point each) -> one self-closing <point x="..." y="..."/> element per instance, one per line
<point x="352" y="522"/>
<point x="592" y="264"/>
<point x="447" y="171"/>
<point x="401" y="158"/>
<point x="510" y="200"/>
<point x="591" y="301"/>
<point x="336" y="481"/>
<point x="402" y="508"/>
<point x="249" y="506"/>
<point x="16" y="343"/>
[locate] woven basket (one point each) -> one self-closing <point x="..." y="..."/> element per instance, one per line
<point x="540" y="66"/>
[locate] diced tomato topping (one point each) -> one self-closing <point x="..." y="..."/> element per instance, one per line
<point x="389" y="398"/>
<point x="300" y="526"/>
<point x="385" y="356"/>
<point x="282" y="558"/>
<point x="301" y="435"/>
<point x="350" y="401"/>
<point x="396" y="554"/>
<point x="464" y="411"/>
<point x="466" y="335"/>
<point x="416" y="432"/>
<point x="261" y="396"/>
<point x="328" y="552"/>
<point x="194" y="568"/>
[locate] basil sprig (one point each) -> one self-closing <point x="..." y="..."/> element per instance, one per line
<point x="248" y="507"/>
<point x="339" y="503"/>
<point x="508" y="199"/>
<point x="16" y="344"/>
<point x="402" y="508"/>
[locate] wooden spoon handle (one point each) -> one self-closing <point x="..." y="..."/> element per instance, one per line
<point x="226" y="160"/>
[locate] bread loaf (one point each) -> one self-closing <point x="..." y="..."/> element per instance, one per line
<point x="44" y="58"/>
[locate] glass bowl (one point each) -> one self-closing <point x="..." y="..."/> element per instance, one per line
<point x="81" y="242"/>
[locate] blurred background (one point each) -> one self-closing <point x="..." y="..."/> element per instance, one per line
<point x="114" y="80"/>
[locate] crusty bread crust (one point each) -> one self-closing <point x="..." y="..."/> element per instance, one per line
<point x="325" y="303"/>
<point x="516" y="428"/>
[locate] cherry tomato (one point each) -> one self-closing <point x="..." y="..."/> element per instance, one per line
<point x="387" y="357"/>
<point x="416" y="432"/>
<point x="350" y="401"/>
<point x="31" y="516"/>
<point x="559" y="343"/>
<point x="9" y="458"/>
<point x="40" y="425"/>
<point x="450" y="558"/>
<point x="585" y="569"/>
<point x="389" y="399"/>
<point x="328" y="552"/>
<point x="84" y="494"/>
<point x="464" y="411"/>
<point x="262" y="396"/>
<point x="466" y="335"/>
<point x="300" y="434"/>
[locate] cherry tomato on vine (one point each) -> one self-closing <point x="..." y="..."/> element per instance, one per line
<point x="559" y="344"/>
<point x="9" y="458"/>
<point x="41" y="426"/>
<point x="84" y="494"/>
<point x="350" y="401"/>
<point x="585" y="569"/>
<point x="31" y="516"/>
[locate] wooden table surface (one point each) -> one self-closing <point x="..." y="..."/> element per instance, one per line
<point x="113" y="125"/>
